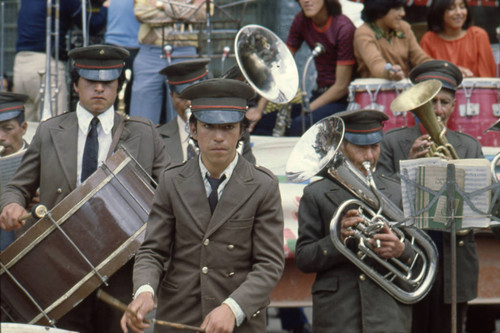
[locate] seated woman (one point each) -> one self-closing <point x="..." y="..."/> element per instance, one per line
<point x="385" y="45"/>
<point x="322" y="21"/>
<point x="451" y="37"/>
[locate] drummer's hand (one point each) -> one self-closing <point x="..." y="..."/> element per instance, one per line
<point x="141" y="305"/>
<point x="466" y="72"/>
<point x="9" y="217"/>
<point x="348" y="222"/>
<point x="396" y="73"/>
<point x="221" y="319"/>
<point x="420" y="147"/>
<point x="388" y="244"/>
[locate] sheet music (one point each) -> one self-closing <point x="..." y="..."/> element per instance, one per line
<point x="8" y="167"/>
<point x="476" y="175"/>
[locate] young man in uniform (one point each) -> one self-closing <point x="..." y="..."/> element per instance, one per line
<point x="217" y="219"/>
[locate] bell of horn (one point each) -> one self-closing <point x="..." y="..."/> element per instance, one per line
<point x="266" y="63"/>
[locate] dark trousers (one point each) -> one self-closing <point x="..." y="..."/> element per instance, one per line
<point x="432" y="315"/>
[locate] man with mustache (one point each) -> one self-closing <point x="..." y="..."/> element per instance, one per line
<point x="68" y="148"/>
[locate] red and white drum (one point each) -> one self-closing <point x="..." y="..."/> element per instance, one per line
<point x="477" y="108"/>
<point x="378" y="94"/>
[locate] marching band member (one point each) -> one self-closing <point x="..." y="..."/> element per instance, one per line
<point x="180" y="76"/>
<point x="385" y="46"/>
<point x="66" y="149"/>
<point x="344" y="298"/>
<point x="225" y="253"/>
<point x="433" y="312"/>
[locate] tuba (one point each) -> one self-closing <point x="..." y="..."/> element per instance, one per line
<point x="267" y="64"/>
<point x="418" y="100"/>
<point x="317" y="153"/>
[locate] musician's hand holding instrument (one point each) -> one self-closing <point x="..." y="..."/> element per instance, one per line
<point x="134" y="316"/>
<point x="9" y="219"/>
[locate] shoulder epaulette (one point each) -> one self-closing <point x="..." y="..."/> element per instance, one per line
<point x="264" y="170"/>
<point x="175" y="165"/>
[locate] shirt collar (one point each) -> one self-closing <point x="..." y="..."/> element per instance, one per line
<point x="228" y="171"/>
<point x="106" y="119"/>
<point x="379" y="33"/>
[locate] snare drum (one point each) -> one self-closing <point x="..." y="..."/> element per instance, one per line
<point x="378" y="94"/>
<point x="81" y="242"/>
<point x="477" y="108"/>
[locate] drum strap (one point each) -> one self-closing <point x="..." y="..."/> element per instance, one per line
<point x="116" y="137"/>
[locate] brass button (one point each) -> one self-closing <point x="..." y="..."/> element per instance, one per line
<point x="231" y="274"/>
<point x="362" y="277"/>
<point x="230" y="247"/>
<point x="59" y="190"/>
<point x="206" y="242"/>
<point x="204" y="270"/>
<point x="256" y="313"/>
<point x="325" y="252"/>
<point x="463" y="232"/>
<point x="461" y="243"/>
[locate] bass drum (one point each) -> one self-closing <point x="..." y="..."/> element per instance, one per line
<point x="477" y="107"/>
<point x="378" y="94"/>
<point x="77" y="245"/>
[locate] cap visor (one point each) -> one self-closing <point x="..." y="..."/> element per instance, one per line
<point x="100" y="74"/>
<point x="364" y="139"/>
<point x="219" y="117"/>
<point x="9" y="115"/>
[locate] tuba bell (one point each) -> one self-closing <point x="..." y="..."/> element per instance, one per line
<point x="317" y="153"/>
<point x="266" y="63"/>
<point x="418" y="100"/>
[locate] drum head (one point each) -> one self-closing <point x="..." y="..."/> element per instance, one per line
<point x="25" y="328"/>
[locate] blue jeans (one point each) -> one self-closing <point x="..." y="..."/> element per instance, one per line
<point x="150" y="93"/>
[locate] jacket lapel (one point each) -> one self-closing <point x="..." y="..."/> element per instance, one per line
<point x="170" y="135"/>
<point x="191" y="189"/>
<point x="237" y="192"/>
<point x="65" y="140"/>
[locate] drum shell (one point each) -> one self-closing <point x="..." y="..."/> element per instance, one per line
<point x="105" y="217"/>
<point x="484" y="92"/>
<point x="25" y="328"/>
<point x="383" y="92"/>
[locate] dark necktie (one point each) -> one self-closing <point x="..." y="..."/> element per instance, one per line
<point x="91" y="151"/>
<point x="213" y="197"/>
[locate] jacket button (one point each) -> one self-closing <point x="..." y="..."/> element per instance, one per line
<point x="59" y="190"/>
<point x="325" y="252"/>
<point x="231" y="274"/>
<point x="461" y="243"/>
<point x="206" y="242"/>
<point x="256" y="313"/>
<point x="204" y="270"/>
<point x="230" y="247"/>
<point x="362" y="277"/>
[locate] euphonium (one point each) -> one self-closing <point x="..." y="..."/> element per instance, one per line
<point x="418" y="100"/>
<point x="317" y="153"/>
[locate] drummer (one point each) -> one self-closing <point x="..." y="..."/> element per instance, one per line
<point x="68" y="148"/>
<point x="414" y="142"/>
<point x="12" y="129"/>
<point x="175" y="135"/>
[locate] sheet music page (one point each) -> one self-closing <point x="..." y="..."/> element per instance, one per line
<point x="477" y="176"/>
<point x="8" y="167"/>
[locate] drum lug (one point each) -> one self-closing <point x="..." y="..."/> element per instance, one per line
<point x="469" y="109"/>
<point x="496" y="110"/>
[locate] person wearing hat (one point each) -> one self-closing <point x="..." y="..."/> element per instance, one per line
<point x="66" y="149"/>
<point x="345" y="299"/>
<point x="224" y="242"/>
<point x="12" y="129"/>
<point x="409" y="143"/>
<point x="175" y="133"/>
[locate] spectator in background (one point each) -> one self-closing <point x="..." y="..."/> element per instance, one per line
<point x="384" y="39"/>
<point x="30" y="47"/>
<point x="452" y="37"/>
<point x="122" y="29"/>
<point x="162" y="23"/>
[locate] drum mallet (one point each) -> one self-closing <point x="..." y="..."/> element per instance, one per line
<point x="107" y="298"/>
<point x="37" y="211"/>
